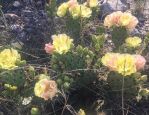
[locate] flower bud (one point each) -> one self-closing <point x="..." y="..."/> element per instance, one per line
<point x="35" y="111"/>
<point x="66" y="85"/>
<point x="81" y="112"/>
<point x="10" y="87"/>
<point x="143" y="78"/>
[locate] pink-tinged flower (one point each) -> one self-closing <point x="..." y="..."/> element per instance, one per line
<point x="113" y="19"/>
<point x="125" y="18"/>
<point x="133" y="23"/>
<point x="108" y="21"/>
<point x="119" y="18"/>
<point x="45" y="89"/>
<point x="139" y="62"/>
<point x="72" y="3"/>
<point x="109" y="60"/>
<point x="116" y="18"/>
<point x="49" y="48"/>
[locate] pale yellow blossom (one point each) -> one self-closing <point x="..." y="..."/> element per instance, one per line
<point x="45" y="89"/>
<point x="133" y="41"/>
<point x="92" y="3"/>
<point x="62" y="43"/>
<point x="9" y="58"/>
<point x="62" y="9"/>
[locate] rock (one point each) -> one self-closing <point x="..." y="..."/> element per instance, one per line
<point x="111" y="6"/>
<point x="105" y="9"/>
<point x="124" y="1"/>
<point x="1" y="113"/>
<point x="16" y="4"/>
<point x="33" y="18"/>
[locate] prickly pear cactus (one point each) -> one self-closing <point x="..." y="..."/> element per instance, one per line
<point x="76" y="64"/>
<point x="119" y="34"/>
<point x="79" y="59"/>
<point x="132" y="84"/>
<point x="115" y="82"/>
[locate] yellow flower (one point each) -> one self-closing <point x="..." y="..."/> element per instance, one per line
<point x="62" y="9"/>
<point x="119" y="18"/>
<point x="45" y="88"/>
<point x="72" y="3"/>
<point x="133" y="41"/>
<point x="93" y="3"/>
<point x="8" y="58"/>
<point x="125" y="19"/>
<point x="80" y="11"/>
<point x="75" y="11"/>
<point x="125" y="64"/>
<point x="62" y="43"/>
<point x="113" y="19"/>
<point x="81" y="112"/>
<point x="133" y="23"/>
<point x="85" y="11"/>
<point x="108" y="21"/>
<point x="38" y="89"/>
<point x="43" y="76"/>
<point x="109" y="60"/>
